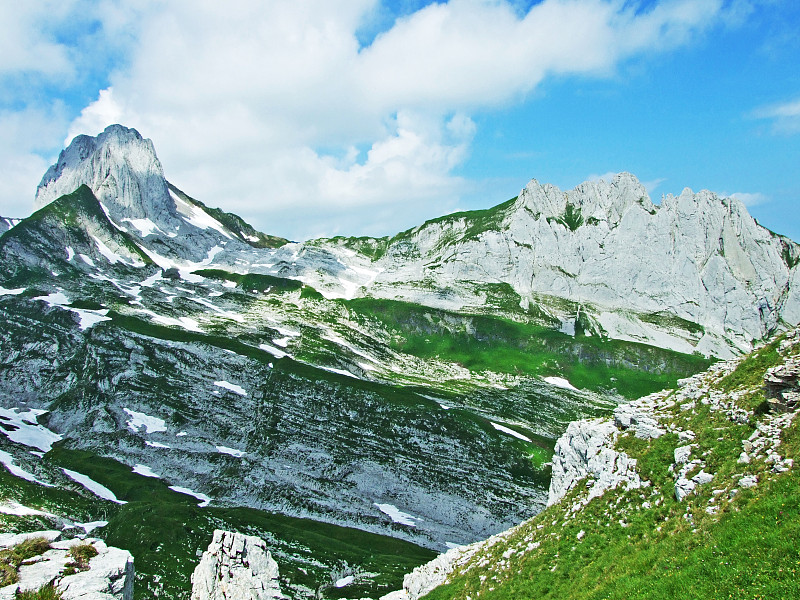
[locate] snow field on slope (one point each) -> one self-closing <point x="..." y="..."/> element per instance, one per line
<point x="139" y="419"/>
<point x="90" y="484"/>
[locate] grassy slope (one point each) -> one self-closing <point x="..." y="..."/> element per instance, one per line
<point x="469" y="225"/>
<point x="667" y="550"/>
<point x="482" y="343"/>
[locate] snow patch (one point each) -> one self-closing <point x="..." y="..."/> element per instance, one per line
<point x="139" y="419"/>
<point x="236" y="389"/>
<point x="150" y="281"/>
<point x="156" y="444"/>
<point x="70" y="253"/>
<point x="560" y="382"/>
<point x="91" y="526"/>
<point x="344" y="581"/>
<point x="196" y="216"/>
<point x="509" y="431"/>
<point x="26" y="430"/>
<point x="8" y="460"/>
<point x="110" y="220"/>
<point x="145" y="226"/>
<point x="112" y="257"/>
<point x="223" y="313"/>
<point x="397" y="515"/>
<point x="87" y="317"/>
<point x="90" y="484"/>
<point x="15" y="508"/>
<point x="145" y="471"/>
<point x="205" y="500"/>
<point x="184" y="322"/>
<point x="231" y="451"/>
<point x="87" y="260"/>
<point x="7" y="292"/>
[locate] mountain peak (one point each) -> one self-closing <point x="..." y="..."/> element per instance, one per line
<point x="120" y="167"/>
<point x="599" y="200"/>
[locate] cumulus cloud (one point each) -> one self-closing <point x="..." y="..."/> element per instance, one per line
<point x="268" y="107"/>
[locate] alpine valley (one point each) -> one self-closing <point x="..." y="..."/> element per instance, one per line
<point x="358" y="403"/>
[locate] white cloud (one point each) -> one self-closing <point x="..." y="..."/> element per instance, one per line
<point x="748" y="199"/>
<point x="97" y="116"/>
<point x="23" y="135"/>
<point x="26" y="41"/>
<point x="267" y="107"/>
<point x="785" y="116"/>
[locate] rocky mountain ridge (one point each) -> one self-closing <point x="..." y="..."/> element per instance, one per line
<point x="695" y="273"/>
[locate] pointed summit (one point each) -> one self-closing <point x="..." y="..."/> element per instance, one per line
<point x="122" y="170"/>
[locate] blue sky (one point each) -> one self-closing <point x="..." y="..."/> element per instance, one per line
<point x="364" y="117"/>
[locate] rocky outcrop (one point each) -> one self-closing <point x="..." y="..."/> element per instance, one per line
<point x="587" y="450"/>
<point x="782" y="386"/>
<point x="236" y="567"/>
<point x="434" y="573"/>
<point x="107" y="576"/>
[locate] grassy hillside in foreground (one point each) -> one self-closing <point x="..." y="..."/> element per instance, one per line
<point x="722" y="541"/>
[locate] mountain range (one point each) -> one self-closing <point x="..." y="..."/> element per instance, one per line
<point x="411" y="386"/>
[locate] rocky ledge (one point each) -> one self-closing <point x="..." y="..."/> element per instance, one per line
<point x="104" y="573"/>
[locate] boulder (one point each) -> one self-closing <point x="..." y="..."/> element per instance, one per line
<point x="782" y="386"/>
<point x="587" y="450"/>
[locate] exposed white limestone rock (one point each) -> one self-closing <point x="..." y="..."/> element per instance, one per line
<point x="695" y="258"/>
<point x="109" y="575"/>
<point x="236" y="567"/>
<point x="434" y="573"/>
<point x="638" y="416"/>
<point x="587" y="450"/>
<point x="682" y="454"/>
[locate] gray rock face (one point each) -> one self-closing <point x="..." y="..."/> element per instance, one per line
<point x="236" y="567"/>
<point x="124" y="173"/>
<point x="782" y="386"/>
<point x="586" y="450"/>
<point x="637" y="417"/>
<point x="109" y="575"/>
